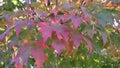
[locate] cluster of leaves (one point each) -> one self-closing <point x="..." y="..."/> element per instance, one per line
<point x="10" y="5"/>
<point x="58" y="33"/>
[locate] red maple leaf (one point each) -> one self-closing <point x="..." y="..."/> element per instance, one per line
<point x="62" y="31"/>
<point x="26" y="51"/>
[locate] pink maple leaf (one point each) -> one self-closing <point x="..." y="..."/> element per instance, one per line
<point x="54" y="12"/>
<point x="59" y="36"/>
<point x="18" y="29"/>
<point x="64" y="18"/>
<point x="25" y="51"/>
<point x="42" y="44"/>
<point x="58" y="46"/>
<point x="30" y="22"/>
<point x="76" y="20"/>
<point x="46" y="30"/>
<point x="39" y="56"/>
<point x="62" y="31"/>
<point x="77" y="39"/>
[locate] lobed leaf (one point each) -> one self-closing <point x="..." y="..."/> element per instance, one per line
<point x="26" y="51"/>
<point x="76" y="38"/>
<point x="58" y="46"/>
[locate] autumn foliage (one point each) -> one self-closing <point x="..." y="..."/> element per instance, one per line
<point x="33" y="28"/>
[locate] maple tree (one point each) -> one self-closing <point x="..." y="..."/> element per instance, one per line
<point x="45" y="30"/>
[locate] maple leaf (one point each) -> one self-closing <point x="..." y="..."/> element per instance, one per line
<point x="62" y="31"/>
<point x="104" y="17"/>
<point x="31" y="22"/>
<point x="59" y="36"/>
<point x="77" y="39"/>
<point x="20" y="23"/>
<point x="42" y="44"/>
<point x="18" y="29"/>
<point x="22" y="57"/>
<point x="55" y="12"/>
<point x="90" y="45"/>
<point x="26" y="51"/>
<point x="39" y="56"/>
<point x="58" y="46"/>
<point x="76" y="20"/>
<point x="64" y="18"/>
<point x="47" y="28"/>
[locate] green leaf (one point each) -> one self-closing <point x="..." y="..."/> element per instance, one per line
<point x="105" y="16"/>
